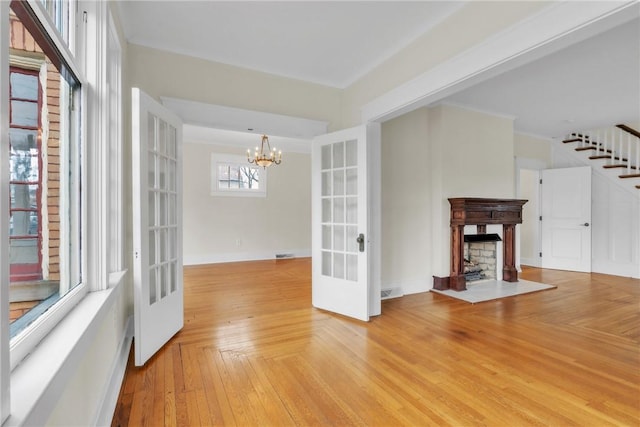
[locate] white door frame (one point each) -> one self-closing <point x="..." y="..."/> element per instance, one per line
<point x="533" y="165"/>
<point x="550" y="30"/>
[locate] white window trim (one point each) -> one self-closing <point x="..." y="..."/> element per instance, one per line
<point x="5" y="367"/>
<point x="24" y="343"/>
<point x="71" y="321"/>
<point x="234" y="159"/>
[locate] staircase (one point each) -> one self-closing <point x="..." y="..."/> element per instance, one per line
<point x="616" y="148"/>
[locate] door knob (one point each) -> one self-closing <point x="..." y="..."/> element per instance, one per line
<point x="360" y="240"/>
<point x="586" y="224"/>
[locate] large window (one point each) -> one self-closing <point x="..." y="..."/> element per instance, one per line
<point x="61" y="199"/>
<point x="44" y="166"/>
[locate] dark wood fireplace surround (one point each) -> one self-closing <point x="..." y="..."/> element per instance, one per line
<point x="480" y="212"/>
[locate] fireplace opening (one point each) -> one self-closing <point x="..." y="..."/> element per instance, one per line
<point x="480" y="256"/>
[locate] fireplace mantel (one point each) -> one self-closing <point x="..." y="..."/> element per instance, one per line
<point x="481" y="212"/>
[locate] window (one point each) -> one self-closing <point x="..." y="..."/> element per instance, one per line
<point x="49" y="259"/>
<point x="232" y="175"/>
<point x="44" y="166"/>
<point x="25" y="169"/>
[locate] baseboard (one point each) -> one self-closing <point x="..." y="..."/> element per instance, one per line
<point x="407" y="287"/>
<point x="615" y="269"/>
<point x="244" y="256"/>
<point x="106" y="410"/>
<point x="531" y="262"/>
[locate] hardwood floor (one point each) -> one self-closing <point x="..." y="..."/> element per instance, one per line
<point x="254" y="352"/>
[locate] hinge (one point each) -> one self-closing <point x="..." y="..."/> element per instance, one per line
<point x="540" y="217"/>
<point x="541" y="181"/>
<point x="540" y="254"/>
<point x="84" y="16"/>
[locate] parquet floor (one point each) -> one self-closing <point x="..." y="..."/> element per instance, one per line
<point x="254" y="352"/>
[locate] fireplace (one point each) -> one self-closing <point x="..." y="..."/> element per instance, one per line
<point x="481" y="212"/>
<point x="481" y="256"/>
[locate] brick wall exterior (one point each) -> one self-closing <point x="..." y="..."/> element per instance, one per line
<point x="21" y="41"/>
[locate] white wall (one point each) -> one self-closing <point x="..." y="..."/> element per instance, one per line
<point x="614" y="238"/>
<point x="615" y="228"/>
<point x="219" y="229"/>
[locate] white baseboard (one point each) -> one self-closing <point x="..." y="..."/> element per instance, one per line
<point x="408" y="287"/>
<point x="106" y="410"/>
<point x="615" y="269"/>
<point x="243" y="256"/>
<point x="532" y="262"/>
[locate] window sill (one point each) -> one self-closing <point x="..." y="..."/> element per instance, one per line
<point x="37" y="382"/>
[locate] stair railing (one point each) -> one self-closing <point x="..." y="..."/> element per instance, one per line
<point x="618" y="146"/>
<point x="632" y="146"/>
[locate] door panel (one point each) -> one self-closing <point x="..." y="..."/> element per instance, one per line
<point x="157" y="208"/>
<point x="566" y="219"/>
<point x="342" y="281"/>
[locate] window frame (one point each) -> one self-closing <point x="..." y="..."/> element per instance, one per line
<point x="219" y="159"/>
<point x="21" y="345"/>
<point x="95" y="43"/>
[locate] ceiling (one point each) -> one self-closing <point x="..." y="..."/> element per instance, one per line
<point x="592" y="83"/>
<point x="327" y="42"/>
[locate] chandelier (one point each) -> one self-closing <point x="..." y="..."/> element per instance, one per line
<point x="264" y="158"/>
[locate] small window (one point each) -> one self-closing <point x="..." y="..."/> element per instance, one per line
<point x="232" y="175"/>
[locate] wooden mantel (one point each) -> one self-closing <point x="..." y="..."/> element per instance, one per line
<point x="481" y="212"/>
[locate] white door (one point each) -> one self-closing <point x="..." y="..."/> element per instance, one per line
<point x="566" y="219"/>
<point x="345" y="222"/>
<point x="157" y="218"/>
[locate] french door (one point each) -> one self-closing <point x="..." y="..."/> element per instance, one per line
<point x="345" y="222"/>
<point x="157" y="219"/>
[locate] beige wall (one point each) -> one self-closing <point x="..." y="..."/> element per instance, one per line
<point x="529" y="230"/>
<point x="240" y="228"/>
<point x="473" y="157"/>
<point x="532" y="148"/>
<point x="406" y="237"/>
<point x="161" y="73"/>
<point x="461" y="153"/>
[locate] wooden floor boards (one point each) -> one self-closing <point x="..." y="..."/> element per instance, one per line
<point x="254" y="352"/>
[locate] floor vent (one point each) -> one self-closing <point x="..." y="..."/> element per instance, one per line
<point x="390" y="293"/>
<point x="281" y="256"/>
